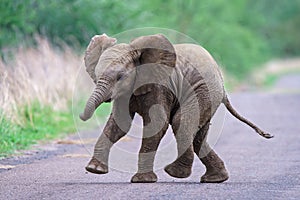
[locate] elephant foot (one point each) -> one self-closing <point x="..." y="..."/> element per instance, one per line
<point x="215" y="177"/>
<point x="215" y="169"/>
<point x="149" y="177"/>
<point x="96" y="167"/>
<point x="178" y="171"/>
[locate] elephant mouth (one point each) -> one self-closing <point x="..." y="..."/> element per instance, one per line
<point x="108" y="100"/>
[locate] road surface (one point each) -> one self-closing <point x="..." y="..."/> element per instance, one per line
<point x="259" y="168"/>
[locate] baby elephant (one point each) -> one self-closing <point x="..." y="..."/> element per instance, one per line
<point x="180" y="85"/>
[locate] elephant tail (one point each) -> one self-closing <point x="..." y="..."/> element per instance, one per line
<point x="229" y="107"/>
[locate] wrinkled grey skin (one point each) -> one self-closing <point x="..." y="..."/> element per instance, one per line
<point x="166" y="84"/>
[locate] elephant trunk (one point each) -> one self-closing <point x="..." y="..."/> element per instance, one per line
<point x="101" y="93"/>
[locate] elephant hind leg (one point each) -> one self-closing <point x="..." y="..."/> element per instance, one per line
<point x="182" y="166"/>
<point x="215" y="168"/>
<point x="183" y="131"/>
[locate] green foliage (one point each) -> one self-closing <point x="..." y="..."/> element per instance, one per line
<point x="270" y="79"/>
<point x="16" y="19"/>
<point x="281" y="25"/>
<point x="76" y="21"/>
<point x="39" y="123"/>
<point x="240" y="34"/>
<point x="70" y="21"/>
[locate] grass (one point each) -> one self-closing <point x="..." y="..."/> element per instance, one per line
<point x="263" y="77"/>
<point x="271" y="79"/>
<point x="39" y="123"/>
<point x="36" y="96"/>
<point x="273" y="70"/>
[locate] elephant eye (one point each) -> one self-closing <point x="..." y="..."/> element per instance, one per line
<point x="120" y="76"/>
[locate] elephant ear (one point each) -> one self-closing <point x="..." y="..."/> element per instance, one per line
<point x="156" y="58"/>
<point x="97" y="45"/>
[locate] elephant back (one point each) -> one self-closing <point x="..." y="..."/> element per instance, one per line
<point x="201" y="71"/>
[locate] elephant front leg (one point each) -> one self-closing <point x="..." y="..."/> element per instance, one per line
<point x="111" y="134"/>
<point x="152" y="135"/>
<point x="147" y="153"/>
<point x="183" y="131"/>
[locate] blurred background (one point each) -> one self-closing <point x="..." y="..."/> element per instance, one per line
<point x="42" y="42"/>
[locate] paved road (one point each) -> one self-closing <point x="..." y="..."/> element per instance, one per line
<point x="259" y="168"/>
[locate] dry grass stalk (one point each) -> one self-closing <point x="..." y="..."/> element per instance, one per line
<point x="40" y="74"/>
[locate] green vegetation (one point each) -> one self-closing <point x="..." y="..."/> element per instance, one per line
<point x="36" y="94"/>
<point x="241" y="35"/>
<point x="269" y="79"/>
<point x="38" y="123"/>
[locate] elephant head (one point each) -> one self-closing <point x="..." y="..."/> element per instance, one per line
<point x="118" y="72"/>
